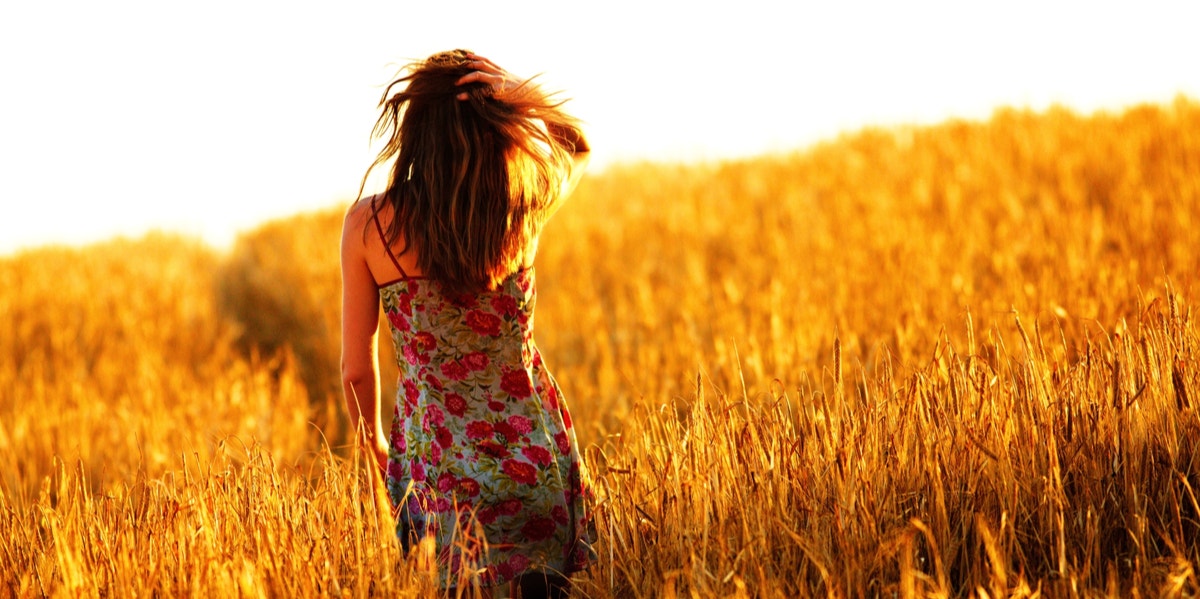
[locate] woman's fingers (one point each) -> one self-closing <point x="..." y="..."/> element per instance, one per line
<point x="475" y="76"/>
<point x="485" y="72"/>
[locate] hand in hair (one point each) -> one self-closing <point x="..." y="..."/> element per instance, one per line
<point x="490" y="73"/>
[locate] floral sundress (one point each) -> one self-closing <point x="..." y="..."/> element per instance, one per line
<point x="482" y="453"/>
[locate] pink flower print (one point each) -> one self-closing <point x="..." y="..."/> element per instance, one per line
<point x="479" y="429"/>
<point x="500" y="571"/>
<point x="425" y="341"/>
<point x="483" y="323"/>
<point x="404" y="302"/>
<point x="446" y="481"/>
<point x="537" y="454"/>
<point x="509" y="507"/>
<point x="455" y="404"/>
<point x="521" y="472"/>
<point x="495" y="406"/>
<point x="564" y="444"/>
<point x="468" y="487"/>
<point x="506" y="429"/>
<point x="454" y="370"/>
<point x="418" y="471"/>
<point x="551" y="396"/>
<point x="518" y="562"/>
<point x="399" y="322"/>
<point x="476" y="361"/>
<point x="566" y="416"/>
<point x="395" y="470"/>
<point x="410" y="354"/>
<point x="444" y="437"/>
<point x="434" y="415"/>
<point x="491" y="448"/>
<point x="417" y="350"/>
<point x="398" y="442"/>
<point x="520" y="424"/>
<point x="435" y="452"/>
<point x="538" y="529"/>
<point x="504" y="304"/>
<point x="434" y="381"/>
<point x="442" y="505"/>
<point x="559" y="514"/>
<point x="411" y="393"/>
<point x="516" y="383"/>
<point x="486" y="515"/>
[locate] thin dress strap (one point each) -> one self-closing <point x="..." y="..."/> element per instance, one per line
<point x="387" y="248"/>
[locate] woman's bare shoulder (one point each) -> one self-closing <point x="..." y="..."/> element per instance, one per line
<point x="360" y="213"/>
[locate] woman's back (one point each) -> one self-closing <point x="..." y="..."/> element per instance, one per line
<point x="480" y="435"/>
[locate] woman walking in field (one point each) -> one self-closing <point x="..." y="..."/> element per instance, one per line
<point x="481" y="454"/>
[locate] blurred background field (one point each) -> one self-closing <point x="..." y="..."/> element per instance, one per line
<point x="945" y="360"/>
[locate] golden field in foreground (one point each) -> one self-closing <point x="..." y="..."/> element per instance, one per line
<point x="940" y="361"/>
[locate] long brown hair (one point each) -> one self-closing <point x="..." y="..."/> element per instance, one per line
<point x="473" y="180"/>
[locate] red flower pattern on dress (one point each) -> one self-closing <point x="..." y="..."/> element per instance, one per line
<point x="491" y="448"/>
<point x="559" y="514"/>
<point x="444" y="437"/>
<point x="434" y="381"/>
<point x="537" y="454"/>
<point x="434" y="415"/>
<point x="506" y="429"/>
<point x="454" y="370"/>
<point x="486" y="515"/>
<point x="468" y="487"/>
<point x="520" y="471"/>
<point x="410" y="354"/>
<point x="481" y="434"/>
<point x="425" y="341"/>
<point x="476" y="361"/>
<point x="516" y="383"/>
<point x="483" y="323"/>
<point x="538" y="528"/>
<point x="456" y="405"/>
<point x="395" y="469"/>
<point x="480" y="429"/>
<point x="399" y="321"/>
<point x="520" y="424"/>
<point x="509" y="507"/>
<point x="505" y="305"/>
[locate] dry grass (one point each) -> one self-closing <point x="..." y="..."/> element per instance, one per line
<point x="945" y="361"/>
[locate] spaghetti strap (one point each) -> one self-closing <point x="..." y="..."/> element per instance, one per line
<point x="387" y="248"/>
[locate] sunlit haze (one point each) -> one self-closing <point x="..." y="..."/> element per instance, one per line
<point x="207" y="118"/>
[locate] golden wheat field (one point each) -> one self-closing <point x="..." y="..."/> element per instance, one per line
<point x="953" y="360"/>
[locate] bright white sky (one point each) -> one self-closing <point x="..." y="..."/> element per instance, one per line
<point x="209" y="117"/>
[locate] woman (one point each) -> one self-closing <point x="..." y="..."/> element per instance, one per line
<point x="481" y="455"/>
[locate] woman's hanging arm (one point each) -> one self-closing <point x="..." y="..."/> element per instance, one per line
<point x="360" y="358"/>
